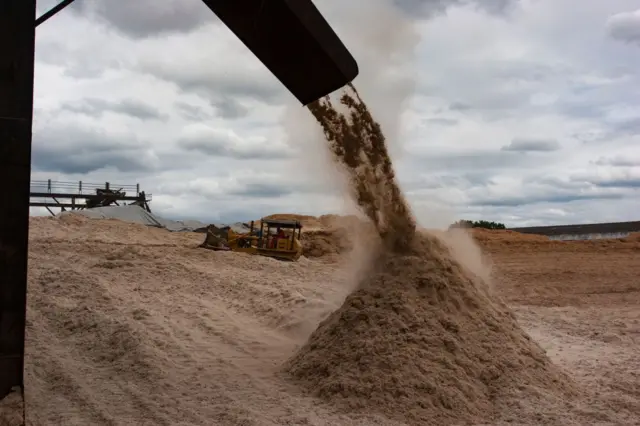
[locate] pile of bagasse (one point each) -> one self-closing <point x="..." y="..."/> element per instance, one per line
<point x="421" y="340"/>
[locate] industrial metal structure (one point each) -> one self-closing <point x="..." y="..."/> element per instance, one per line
<point x="83" y="195"/>
<point x="290" y="37"/>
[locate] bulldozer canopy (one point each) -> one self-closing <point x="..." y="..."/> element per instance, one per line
<point x="284" y="224"/>
<point x="293" y="40"/>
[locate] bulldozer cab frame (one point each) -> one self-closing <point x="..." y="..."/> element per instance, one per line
<point x="283" y="244"/>
<point x="269" y="241"/>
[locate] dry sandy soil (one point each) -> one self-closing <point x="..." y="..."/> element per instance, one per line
<point x="129" y="325"/>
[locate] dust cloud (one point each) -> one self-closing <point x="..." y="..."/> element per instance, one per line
<point x="384" y="40"/>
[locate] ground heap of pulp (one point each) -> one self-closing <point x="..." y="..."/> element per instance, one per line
<point x="421" y="339"/>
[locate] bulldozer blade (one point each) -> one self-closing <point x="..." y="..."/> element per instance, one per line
<point x="293" y="40"/>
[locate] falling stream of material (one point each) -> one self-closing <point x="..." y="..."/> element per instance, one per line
<point x="359" y="145"/>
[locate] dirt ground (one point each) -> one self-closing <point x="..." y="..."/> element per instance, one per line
<point x="581" y="301"/>
<point x="135" y="325"/>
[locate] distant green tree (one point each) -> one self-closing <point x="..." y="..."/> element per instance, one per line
<point x="485" y="224"/>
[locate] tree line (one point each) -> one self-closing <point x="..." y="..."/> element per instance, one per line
<point x="485" y="224"/>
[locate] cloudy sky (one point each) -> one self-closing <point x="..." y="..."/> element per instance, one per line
<point x="525" y="112"/>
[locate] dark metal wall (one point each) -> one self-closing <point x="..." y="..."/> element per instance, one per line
<point x="589" y="228"/>
<point x="17" y="39"/>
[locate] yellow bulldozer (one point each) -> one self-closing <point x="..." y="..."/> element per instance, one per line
<point x="275" y="238"/>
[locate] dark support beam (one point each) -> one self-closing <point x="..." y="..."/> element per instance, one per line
<point x="55" y="9"/>
<point x="293" y="40"/>
<point x="17" y="39"/>
<point x="58" y="203"/>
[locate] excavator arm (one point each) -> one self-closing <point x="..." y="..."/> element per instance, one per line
<point x="290" y="37"/>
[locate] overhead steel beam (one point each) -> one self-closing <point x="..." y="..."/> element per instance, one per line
<point x="55" y="9"/>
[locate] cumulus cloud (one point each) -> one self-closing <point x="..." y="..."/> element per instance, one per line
<point x="428" y="8"/>
<point x="618" y="161"/>
<point x="147" y="18"/>
<point x="625" y="26"/>
<point x="548" y="198"/>
<point x="532" y="145"/>
<point x="516" y="111"/>
<point x="192" y="112"/>
<point x="129" y="107"/>
<point x="226" y="143"/>
<point x="76" y="150"/>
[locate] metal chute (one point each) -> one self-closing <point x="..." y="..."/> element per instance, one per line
<point x="293" y="40"/>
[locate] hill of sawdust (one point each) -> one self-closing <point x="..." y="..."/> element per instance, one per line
<point x="134" y="325"/>
<point x="567" y="273"/>
<point x="128" y="324"/>
<point x="505" y="236"/>
<point x="327" y="242"/>
<point x="422" y="342"/>
<point x="333" y="235"/>
<point x="531" y="242"/>
<point x="336" y="236"/>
